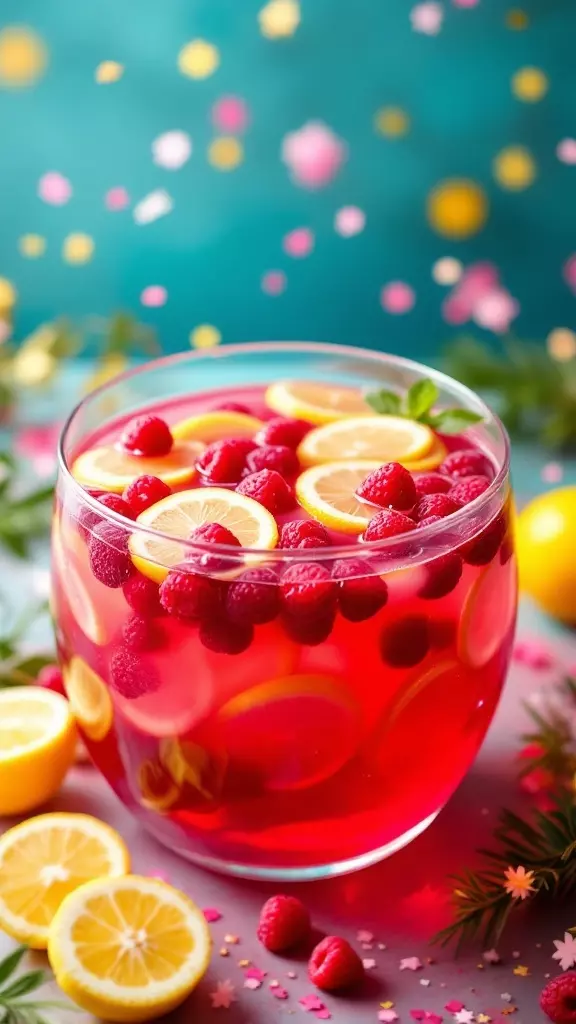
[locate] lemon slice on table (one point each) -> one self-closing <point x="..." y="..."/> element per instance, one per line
<point x="37" y="746"/>
<point x="327" y="494"/>
<point x="178" y="514"/>
<point x="213" y="426"/>
<point x="44" y="859"/>
<point x="431" y="460"/>
<point x="128" y="949"/>
<point x="81" y="606"/>
<point x="314" y="402"/>
<point x="386" y="438"/>
<point x="89" y="699"/>
<point x="110" y="469"/>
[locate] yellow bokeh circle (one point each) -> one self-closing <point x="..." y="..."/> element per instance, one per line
<point x="457" y="208"/>
<point x="514" y="168"/>
<point x="205" y="336"/>
<point x="198" y="59"/>
<point x="32" y="246"/>
<point x="517" y="19"/>
<point x="529" y="85"/>
<point x="393" y="122"/>
<point x="561" y="344"/>
<point x="78" y="248"/>
<point x="109" y="71"/>
<point x="279" y="19"/>
<point x="7" y="294"/>
<point x="225" y="153"/>
<point x="23" y="57"/>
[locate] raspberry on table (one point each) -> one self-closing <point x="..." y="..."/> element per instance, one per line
<point x="132" y="677"/>
<point x="144" y="492"/>
<point x="190" y="596"/>
<point x="441" y="576"/>
<point x="469" y="488"/>
<point x="222" y="636"/>
<point x="274" y="456"/>
<point x="88" y="517"/>
<point x="307" y="590"/>
<point x="143" y="596"/>
<point x="312" y="631"/>
<point x="406" y="642"/>
<point x="50" y="678"/>
<point x="334" y="965"/>
<point x="284" y="923"/>
<point x="388" y="523"/>
<point x="110" y="561"/>
<point x="280" y="430"/>
<point x="390" y="486"/>
<point x="142" y="634"/>
<point x="434" y="505"/>
<point x="147" y="435"/>
<point x="254" y="597"/>
<point x="360" y="595"/>
<point x="482" y="549"/>
<point x="304" y="533"/>
<point x="558" y="999"/>
<point x="223" y="462"/>
<point x="467" y="462"/>
<point x="431" y="483"/>
<point x="213" y="533"/>
<point x="270" y="489"/>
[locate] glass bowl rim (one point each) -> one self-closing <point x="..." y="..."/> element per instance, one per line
<point x="354" y="551"/>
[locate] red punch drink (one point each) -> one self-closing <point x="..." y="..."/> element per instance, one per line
<point x="284" y="593"/>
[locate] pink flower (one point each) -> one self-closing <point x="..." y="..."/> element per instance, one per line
<point x="154" y="295"/>
<point x="397" y="297"/>
<point x="230" y="114"/>
<point x="54" y="188"/>
<point x="518" y="882"/>
<point x="313" y="154"/>
<point x="299" y="242"/>
<point x="39" y="444"/>
<point x="274" y="282"/>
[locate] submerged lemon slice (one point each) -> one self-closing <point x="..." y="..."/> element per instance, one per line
<point x="43" y="860"/>
<point x="80" y="603"/>
<point x="178" y="514"/>
<point x="110" y="469"/>
<point x="431" y="460"/>
<point x="327" y="494"/>
<point x="128" y="949"/>
<point x="386" y="438"/>
<point x="89" y="699"/>
<point x="214" y="426"/>
<point x="488" y="614"/>
<point x="314" y="402"/>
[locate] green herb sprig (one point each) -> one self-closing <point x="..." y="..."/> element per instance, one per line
<point x="418" y="404"/>
<point x="22" y="518"/>
<point x="14" y="1008"/>
<point x="17" y="669"/>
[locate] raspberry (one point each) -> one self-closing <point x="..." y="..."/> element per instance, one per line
<point x="187" y="595"/>
<point x="88" y="517"/>
<point x="142" y="634"/>
<point x="254" y="598"/>
<point x="147" y="435"/>
<point x="467" y="462"/>
<point x="143" y="492"/>
<point x="274" y="456"/>
<point x="309" y="631"/>
<point x="143" y="596"/>
<point x="283" y="431"/>
<point x="304" y="533"/>
<point x="109" y="559"/>
<point x="442" y="575"/>
<point x="482" y="549"/>
<point x="213" y="533"/>
<point x="390" y="486"/>
<point x="232" y="407"/>
<point x="431" y="483"/>
<point x="406" y="643"/>
<point x="434" y="505"/>
<point x="307" y="591"/>
<point x="428" y="521"/>
<point x="132" y="677"/>
<point x="284" y="923"/>
<point x="359" y="596"/>
<point x="270" y="489"/>
<point x="50" y="678"/>
<point x="334" y="965"/>
<point x="387" y="523"/>
<point x="558" y="999"/>
<point x="469" y="488"/>
<point x="225" y="637"/>
<point x="223" y="462"/>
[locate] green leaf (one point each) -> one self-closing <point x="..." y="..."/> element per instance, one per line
<point x="11" y="962"/>
<point x="13" y="542"/>
<point x="453" y="421"/>
<point x="385" y="403"/>
<point x="25" y="671"/>
<point x="420" y="398"/>
<point x="24" y="984"/>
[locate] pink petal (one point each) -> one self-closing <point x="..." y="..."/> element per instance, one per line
<point x="310" y="1003"/>
<point x="211" y="914"/>
<point x="454" y="1006"/>
<point x="280" y="993"/>
<point x="323" y="1014"/>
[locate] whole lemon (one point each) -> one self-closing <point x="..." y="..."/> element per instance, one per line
<point x="546" y="546"/>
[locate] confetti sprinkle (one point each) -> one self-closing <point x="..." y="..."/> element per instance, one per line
<point x="397" y="297"/>
<point x="279" y="992"/>
<point x="349" y="221"/>
<point x="505" y="997"/>
<point x="561" y="344"/>
<point x="116" y="198"/>
<point x="425" y="982"/>
<point x="298" y="243"/>
<point x="244" y="963"/>
<point x="23" y="57"/>
<point x="410" y="963"/>
<point x="172" y="150"/>
<point x="78" y="248"/>
<point x="205" y="336"/>
<point x="457" y="208"/>
<point x="32" y="246"/>
<point x="518" y="882"/>
<point x="529" y="85"/>
<point x="154" y="295"/>
<point x="454" y="1006"/>
<point x="54" y="188"/>
<point x="254" y="972"/>
<point x="230" y="114"/>
<point x="427" y="18"/>
<point x="368" y="964"/>
<point x="156" y="204"/>
<point x="514" y="168"/>
<point x="552" y="473"/>
<point x="313" y="154"/>
<point x="433" y="1018"/>
<point x="483" y="1018"/>
<point x="491" y="956"/>
<point x="521" y="971"/>
<point x="291" y="974"/>
<point x="274" y="282"/>
<point x="274" y="983"/>
<point x="108" y="71"/>
<point x="198" y="59"/>
<point x="388" y="1016"/>
<point x="252" y="983"/>
<point x="447" y="271"/>
<point x="279" y="19"/>
<point x="464" y="1017"/>
<point x="223" y="995"/>
<point x="211" y="915"/>
<point x="417" y="1014"/>
<point x="392" y="122"/>
<point x="223" y="951"/>
<point x="311" y="1003"/>
<point x="225" y="153"/>
<point x="232" y="940"/>
<point x="323" y="1014"/>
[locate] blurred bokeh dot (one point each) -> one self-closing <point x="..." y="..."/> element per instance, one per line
<point x="198" y="59"/>
<point x="349" y="221"/>
<point x="154" y="296"/>
<point x="274" y="282"/>
<point x="109" y="71"/>
<point x="7" y="294"/>
<point x="225" y="153"/>
<point x="517" y="19"/>
<point x="529" y="84"/>
<point x="447" y="270"/>
<point x="78" y="248"/>
<point x="393" y="122"/>
<point x="205" y="336"/>
<point x="457" y="208"/>
<point x="397" y="297"/>
<point x="561" y="344"/>
<point x="23" y="57"/>
<point x="32" y="246"/>
<point x="279" y="19"/>
<point x="514" y="168"/>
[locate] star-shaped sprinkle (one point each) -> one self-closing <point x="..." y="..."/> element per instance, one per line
<point x="311" y="1003"/>
<point x="505" y="997"/>
<point x="364" y="936"/>
<point x="211" y="914"/>
<point x="425" y="982"/>
<point x="223" y="995"/>
<point x="454" y="1006"/>
<point x="243" y="963"/>
<point x="491" y="956"/>
<point x="410" y="963"/>
<point x="387" y="1005"/>
<point x="464" y="1017"/>
<point x="565" y="951"/>
<point x="483" y="1018"/>
<point x="521" y="971"/>
<point x="368" y="964"/>
<point x="387" y="1016"/>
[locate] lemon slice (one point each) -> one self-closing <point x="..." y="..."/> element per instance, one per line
<point x="37" y="746"/>
<point x="128" y="949"/>
<point x="44" y="859"/>
<point x="178" y="514"/>
<point x="157" y="788"/>
<point x="386" y="438"/>
<point x="110" y="469"/>
<point x="213" y="426"/>
<point x="80" y="604"/>
<point x="431" y="460"/>
<point x="327" y="493"/>
<point x="488" y="614"/>
<point x="315" y="403"/>
<point x="89" y="698"/>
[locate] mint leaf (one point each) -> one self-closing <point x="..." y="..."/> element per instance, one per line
<point x="385" y="403"/>
<point x="420" y="398"/>
<point x="453" y="421"/>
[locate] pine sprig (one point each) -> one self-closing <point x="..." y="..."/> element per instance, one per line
<point x="14" y="1009"/>
<point x="551" y="743"/>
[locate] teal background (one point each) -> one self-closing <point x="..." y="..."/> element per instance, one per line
<point x="346" y="60"/>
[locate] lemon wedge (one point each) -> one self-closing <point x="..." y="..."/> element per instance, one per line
<point x="327" y="494"/>
<point x="314" y="402"/>
<point x="214" y="426"/>
<point x="128" y="949"/>
<point x="110" y="469"/>
<point x="386" y="438"/>
<point x="89" y="699"/>
<point x="178" y="514"/>
<point x="44" y="859"/>
<point x="37" y="746"/>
